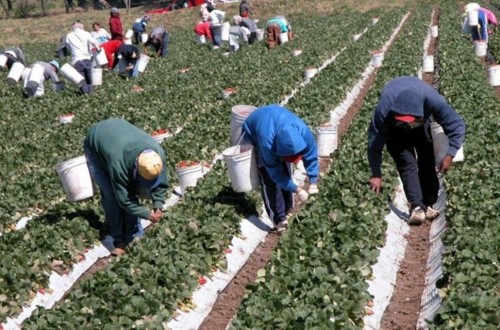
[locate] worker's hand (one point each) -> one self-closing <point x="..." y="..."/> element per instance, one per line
<point x="375" y="184"/>
<point x="445" y="164"/>
<point x="313" y="189"/>
<point x="303" y="195"/>
<point x="155" y="216"/>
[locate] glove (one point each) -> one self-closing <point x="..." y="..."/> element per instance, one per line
<point x="303" y="195"/>
<point x="313" y="189"/>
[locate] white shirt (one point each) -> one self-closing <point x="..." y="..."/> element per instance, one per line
<point x="79" y="43"/>
<point x="101" y="35"/>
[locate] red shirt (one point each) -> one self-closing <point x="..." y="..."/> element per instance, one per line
<point x="110" y="48"/>
<point x="203" y="29"/>
<point x="115" y="27"/>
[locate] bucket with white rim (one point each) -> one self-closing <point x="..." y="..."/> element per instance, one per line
<point x="473" y="17"/>
<point x="129" y="34"/>
<point x="259" y="34"/>
<point x="100" y="57"/>
<point x="68" y="71"/>
<point x="200" y="39"/>
<point x="143" y="62"/>
<point x="96" y="76"/>
<point x="3" y="60"/>
<point x="441" y="144"/>
<point x="283" y="38"/>
<point x="428" y="63"/>
<point x="188" y="174"/>
<point x="76" y="180"/>
<point x="434" y="31"/>
<point x="480" y="47"/>
<point x="35" y="76"/>
<point x="377" y="58"/>
<point x="326" y="136"/>
<point x="238" y="115"/>
<point x="225" y="31"/>
<point x="310" y="72"/>
<point x="242" y="167"/>
<point x="15" y="73"/>
<point x="144" y="38"/>
<point x="494" y="75"/>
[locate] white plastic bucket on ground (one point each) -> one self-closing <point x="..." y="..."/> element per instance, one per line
<point x="75" y="177"/>
<point x="101" y="58"/>
<point x="74" y="76"/>
<point x="242" y="167"/>
<point x="428" y="63"/>
<point x="188" y="176"/>
<point x="283" y="38"/>
<point x="144" y="38"/>
<point x="296" y="52"/>
<point x="3" y="60"/>
<point x="225" y="32"/>
<point x="441" y="144"/>
<point x="35" y="77"/>
<point x="143" y="62"/>
<point x="15" y="73"/>
<point x="326" y="136"/>
<point x="473" y="18"/>
<point x="259" y="34"/>
<point x="200" y="39"/>
<point x="96" y="76"/>
<point x="310" y="72"/>
<point x="480" y="48"/>
<point x="434" y="31"/>
<point x="494" y="75"/>
<point x="127" y="41"/>
<point x="129" y="34"/>
<point x="238" y="115"/>
<point x="377" y="58"/>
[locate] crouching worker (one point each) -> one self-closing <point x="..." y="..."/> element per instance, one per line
<point x="14" y="54"/>
<point x="126" y="58"/>
<point x="274" y="28"/>
<point x="126" y="162"/>
<point x="280" y="138"/>
<point x="110" y="49"/>
<point x="158" y="39"/>
<point x="50" y="71"/>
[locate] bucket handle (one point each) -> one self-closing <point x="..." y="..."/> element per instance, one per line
<point x="238" y="143"/>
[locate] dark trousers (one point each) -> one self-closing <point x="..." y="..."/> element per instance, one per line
<point x="84" y="67"/>
<point x="413" y="153"/>
<point x="278" y="202"/>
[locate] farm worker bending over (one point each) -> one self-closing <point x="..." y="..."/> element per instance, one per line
<point x="115" y="24"/>
<point x="249" y="25"/>
<point x="202" y="28"/>
<point x="80" y="44"/>
<point x="237" y="33"/>
<point x="159" y="39"/>
<point x="401" y="121"/>
<point x="280" y="137"/>
<point x="276" y="26"/>
<point x="126" y="162"/>
<point x="216" y="18"/>
<point x="480" y="31"/>
<point x="100" y="34"/>
<point x="50" y="72"/>
<point x="14" y="54"/>
<point x="110" y="49"/>
<point x="245" y="9"/>
<point x="126" y="57"/>
<point x="491" y="19"/>
<point x="139" y="27"/>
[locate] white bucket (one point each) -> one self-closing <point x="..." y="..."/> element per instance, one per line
<point x="225" y="31"/>
<point x="188" y="176"/>
<point x="238" y="115"/>
<point x="310" y="72"/>
<point x="356" y="37"/>
<point x="101" y="58"/>
<point x="75" y="177"/>
<point x="377" y="58"/>
<point x="259" y="34"/>
<point x="15" y="73"/>
<point x="96" y="76"/>
<point x="25" y="74"/>
<point x="127" y="41"/>
<point x="473" y="18"/>
<point x="143" y="62"/>
<point x="200" y="39"/>
<point x="494" y="75"/>
<point x="35" y="77"/>
<point x="283" y="38"/>
<point x="480" y="47"/>
<point x="441" y="144"/>
<point x="434" y="31"/>
<point x="144" y="38"/>
<point x="428" y="63"/>
<point x="326" y="136"/>
<point x="72" y="75"/>
<point x="129" y="34"/>
<point x="242" y="167"/>
<point x="3" y="60"/>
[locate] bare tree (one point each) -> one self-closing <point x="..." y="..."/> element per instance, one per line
<point x="7" y="7"/>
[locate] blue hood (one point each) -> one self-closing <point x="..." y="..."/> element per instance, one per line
<point x="289" y="142"/>
<point x="409" y="101"/>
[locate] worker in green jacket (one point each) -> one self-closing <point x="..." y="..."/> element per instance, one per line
<point x="126" y="163"/>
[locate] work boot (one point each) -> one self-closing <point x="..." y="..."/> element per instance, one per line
<point x="282" y="226"/>
<point x="431" y="213"/>
<point x="417" y="216"/>
<point x="119" y="250"/>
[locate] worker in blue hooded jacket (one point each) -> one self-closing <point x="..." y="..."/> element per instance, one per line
<point x="401" y="121"/>
<point x="280" y="137"/>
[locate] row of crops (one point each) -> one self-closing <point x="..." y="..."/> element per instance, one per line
<point x="317" y="275"/>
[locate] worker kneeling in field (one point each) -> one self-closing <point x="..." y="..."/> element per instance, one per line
<point x="275" y="27"/>
<point x="158" y="39"/>
<point x="50" y="71"/>
<point x="402" y="121"/>
<point x="126" y="162"/>
<point x="126" y="58"/>
<point x="280" y="138"/>
<point x="12" y="55"/>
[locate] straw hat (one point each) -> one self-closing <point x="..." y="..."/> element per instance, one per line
<point x="149" y="164"/>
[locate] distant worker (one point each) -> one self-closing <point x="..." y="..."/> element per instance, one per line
<point x="401" y="120"/>
<point x="80" y="44"/>
<point x="237" y="34"/>
<point x="158" y="39"/>
<point x="245" y="9"/>
<point x="115" y="24"/>
<point x="61" y="50"/>
<point x="491" y="19"/>
<point x="14" y="54"/>
<point x="479" y="31"/>
<point x="248" y="24"/>
<point x="126" y="58"/>
<point x="280" y="137"/>
<point x="139" y="27"/>
<point x="50" y="71"/>
<point x="100" y="34"/>
<point x="274" y="28"/>
<point x="126" y="162"/>
<point x="110" y="49"/>
<point x="202" y="28"/>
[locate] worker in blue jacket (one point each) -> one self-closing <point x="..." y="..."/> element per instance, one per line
<point x="280" y="137"/>
<point x="401" y="121"/>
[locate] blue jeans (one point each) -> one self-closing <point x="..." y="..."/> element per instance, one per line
<point x="123" y="227"/>
<point x="164" y="47"/>
<point x="278" y="202"/>
<point x="84" y="67"/>
<point x="122" y="64"/>
<point x="216" y="35"/>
